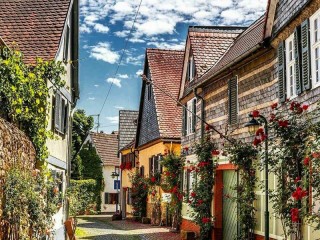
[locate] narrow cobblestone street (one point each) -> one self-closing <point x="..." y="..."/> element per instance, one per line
<point x="101" y="227"/>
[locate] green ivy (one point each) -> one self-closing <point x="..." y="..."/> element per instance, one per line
<point x="244" y="157"/>
<point x="24" y="95"/>
<point x="202" y="188"/>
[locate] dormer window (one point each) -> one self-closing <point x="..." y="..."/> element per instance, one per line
<point x="191" y="70"/>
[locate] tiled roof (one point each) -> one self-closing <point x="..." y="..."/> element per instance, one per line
<point x="127" y="127"/>
<point x="107" y="147"/>
<point x="166" y="70"/>
<point x="33" y="26"/>
<point x="208" y="44"/>
<point x="245" y="43"/>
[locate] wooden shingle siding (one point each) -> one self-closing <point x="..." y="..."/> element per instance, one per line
<point x="127" y="126"/>
<point x="286" y="11"/>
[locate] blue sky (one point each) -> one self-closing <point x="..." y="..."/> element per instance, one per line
<point x="104" y="30"/>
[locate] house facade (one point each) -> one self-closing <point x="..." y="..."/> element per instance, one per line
<point x="106" y="146"/>
<point x="49" y="30"/>
<point x="127" y="132"/>
<point x="159" y="120"/>
<point x="272" y="61"/>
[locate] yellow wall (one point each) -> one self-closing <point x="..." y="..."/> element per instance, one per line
<point x="125" y="180"/>
<point x="146" y="153"/>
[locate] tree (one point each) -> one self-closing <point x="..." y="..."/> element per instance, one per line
<point x="82" y="124"/>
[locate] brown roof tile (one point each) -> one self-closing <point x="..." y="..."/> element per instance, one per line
<point x="33" y="26"/>
<point x="107" y="147"/>
<point x="208" y="44"/>
<point x="166" y="70"/>
<point x="245" y="43"/>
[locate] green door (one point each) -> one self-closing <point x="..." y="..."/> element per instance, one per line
<point x="229" y="214"/>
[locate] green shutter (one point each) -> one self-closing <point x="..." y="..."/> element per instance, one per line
<point x="184" y="120"/>
<point x="305" y="51"/>
<point x="233" y="100"/>
<point x="297" y="60"/>
<point x="282" y="72"/>
<point x="194" y="111"/>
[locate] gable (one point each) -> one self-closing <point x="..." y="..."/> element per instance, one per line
<point x="148" y="129"/>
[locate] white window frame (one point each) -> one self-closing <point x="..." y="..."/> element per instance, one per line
<point x="315" y="45"/>
<point x="189" y="117"/>
<point x="290" y="66"/>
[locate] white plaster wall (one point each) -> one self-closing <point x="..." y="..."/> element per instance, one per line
<point x="108" y="187"/>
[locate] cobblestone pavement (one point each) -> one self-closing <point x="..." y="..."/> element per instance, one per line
<point x="100" y="227"/>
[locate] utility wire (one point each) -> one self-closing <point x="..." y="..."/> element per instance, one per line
<point x="122" y="54"/>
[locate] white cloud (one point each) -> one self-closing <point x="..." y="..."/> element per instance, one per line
<point x="84" y="29"/>
<point x="119" y="107"/>
<point x="96" y="85"/>
<point x="135" y="60"/>
<point x="114" y="81"/>
<point x="123" y="76"/>
<point x="113" y="120"/>
<point x="167" y="45"/>
<point x="101" y="28"/>
<point x="103" y="52"/>
<point x="91" y="98"/>
<point x="139" y="72"/>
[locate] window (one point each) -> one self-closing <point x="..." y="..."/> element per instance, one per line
<point x="66" y="44"/>
<point x="129" y="198"/>
<point x="61" y="114"/>
<point x="155" y="165"/>
<point x="142" y="171"/>
<point x="191" y="69"/>
<point x="291" y="78"/>
<point x="315" y="48"/>
<point x="128" y="159"/>
<point x="233" y="100"/>
<point x="111" y="198"/>
<point x="188" y="182"/>
<point x="189" y="117"/>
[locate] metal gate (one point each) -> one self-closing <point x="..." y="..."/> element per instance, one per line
<point x="229" y="212"/>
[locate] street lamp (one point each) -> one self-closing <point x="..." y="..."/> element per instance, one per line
<point x="113" y="175"/>
<point x="253" y="124"/>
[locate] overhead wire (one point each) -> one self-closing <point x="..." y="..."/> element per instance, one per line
<point x="121" y="56"/>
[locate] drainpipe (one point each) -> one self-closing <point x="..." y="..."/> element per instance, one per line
<point x="202" y="109"/>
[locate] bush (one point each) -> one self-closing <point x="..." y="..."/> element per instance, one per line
<point x="81" y="194"/>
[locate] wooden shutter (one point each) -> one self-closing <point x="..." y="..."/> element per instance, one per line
<point x="106" y="198"/>
<point x="188" y="69"/>
<point x="305" y="52"/>
<point x="156" y="164"/>
<point x="142" y="171"/>
<point x="150" y="166"/>
<point x="57" y="112"/>
<point x="282" y="72"/>
<point x="297" y="60"/>
<point x="193" y="73"/>
<point x="184" y="120"/>
<point x="233" y="100"/>
<point x="194" y="111"/>
<point x="161" y="167"/>
<point x="66" y="121"/>
<point x="63" y="115"/>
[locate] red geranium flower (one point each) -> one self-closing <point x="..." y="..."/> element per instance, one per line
<point x="215" y="152"/>
<point x="186" y="149"/>
<point x="205" y="220"/>
<point x="294" y="214"/>
<point x="306" y="161"/>
<point x="297" y="179"/>
<point x="274" y="105"/>
<point x="259" y="131"/>
<point x="153" y="179"/>
<point x="299" y="194"/>
<point x="255" y="113"/>
<point x="200" y="201"/>
<point x="193" y="194"/>
<point x="305" y="107"/>
<point x="283" y="123"/>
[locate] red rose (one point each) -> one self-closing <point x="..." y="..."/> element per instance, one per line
<point x="215" y="152"/>
<point x="208" y="127"/>
<point x="200" y="201"/>
<point x="274" y="105"/>
<point x="256" y="141"/>
<point x="299" y="110"/>
<point x="305" y="107"/>
<point x="193" y="194"/>
<point x="153" y="179"/>
<point x="297" y="179"/>
<point x="299" y="194"/>
<point x="294" y="214"/>
<point x="205" y="220"/>
<point x="316" y="154"/>
<point x="284" y="123"/>
<point x="186" y="149"/>
<point x="306" y="161"/>
<point x="255" y="113"/>
<point x="259" y="132"/>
